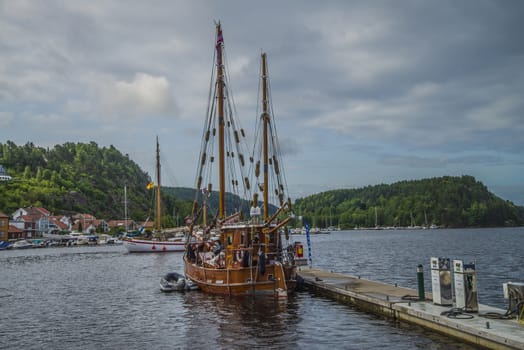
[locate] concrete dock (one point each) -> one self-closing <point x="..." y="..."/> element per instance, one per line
<point x="402" y="304"/>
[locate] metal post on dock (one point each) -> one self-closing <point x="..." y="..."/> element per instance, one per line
<point x="309" y="246"/>
<point x="420" y="282"/>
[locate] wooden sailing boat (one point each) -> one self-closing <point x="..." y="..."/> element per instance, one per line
<point x="158" y="243"/>
<point x="244" y="256"/>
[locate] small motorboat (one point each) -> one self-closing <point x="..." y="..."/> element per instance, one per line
<point x="22" y="244"/>
<point x="174" y="281"/>
<point x="5" y="245"/>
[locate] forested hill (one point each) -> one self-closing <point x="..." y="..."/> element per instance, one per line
<point x="444" y="201"/>
<point x="233" y="201"/>
<point x="85" y="178"/>
<point x="76" y="178"/>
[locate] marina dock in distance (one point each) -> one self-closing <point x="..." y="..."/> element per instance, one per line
<point x="403" y="304"/>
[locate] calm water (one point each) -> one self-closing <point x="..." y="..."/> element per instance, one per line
<point x="104" y="298"/>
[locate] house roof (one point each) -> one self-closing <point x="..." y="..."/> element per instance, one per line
<point x="14" y="229"/>
<point x="37" y="211"/>
<point x="2" y="215"/>
<point x="119" y="223"/>
<point x="58" y="217"/>
<point x="148" y="224"/>
<point x="98" y="222"/>
<point x="34" y="213"/>
<point x="25" y="218"/>
<point x="84" y="217"/>
<point x="58" y="223"/>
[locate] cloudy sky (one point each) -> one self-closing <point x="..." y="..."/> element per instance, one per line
<point x="364" y="92"/>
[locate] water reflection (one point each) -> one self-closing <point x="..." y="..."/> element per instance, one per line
<point x="105" y="298"/>
<point x="229" y="321"/>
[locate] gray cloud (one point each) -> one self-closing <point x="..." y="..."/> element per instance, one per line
<point x="412" y="84"/>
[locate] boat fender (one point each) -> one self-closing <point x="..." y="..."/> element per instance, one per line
<point x="222" y="260"/>
<point x="181" y="283"/>
<point x="239" y="255"/>
<point x="245" y="259"/>
<point x="262" y="263"/>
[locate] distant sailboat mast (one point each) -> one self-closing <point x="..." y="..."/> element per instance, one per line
<point x="158" y="226"/>
<point x="125" y="208"/>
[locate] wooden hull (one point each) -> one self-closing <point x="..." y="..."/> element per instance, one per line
<point x="241" y="280"/>
<point x="145" y="246"/>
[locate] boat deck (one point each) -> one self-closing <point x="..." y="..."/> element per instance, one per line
<point x="402" y="304"/>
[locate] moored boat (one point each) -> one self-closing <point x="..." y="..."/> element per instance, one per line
<point x="247" y="256"/>
<point x="5" y="245"/>
<point x="134" y="245"/>
<point x="22" y="244"/>
<point x="173" y="281"/>
<point x="159" y="242"/>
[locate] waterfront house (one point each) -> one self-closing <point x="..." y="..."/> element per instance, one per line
<point x="101" y="225"/>
<point x="37" y="215"/>
<point x="59" y="223"/>
<point x="16" y="233"/>
<point x="36" y="212"/>
<point x="4" y="227"/>
<point x="83" y="222"/>
<point x="87" y="223"/>
<point x="3" y="174"/>
<point x="26" y="224"/>
<point x="122" y="225"/>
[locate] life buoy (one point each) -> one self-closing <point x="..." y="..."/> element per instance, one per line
<point x="239" y="255"/>
<point x="222" y="260"/>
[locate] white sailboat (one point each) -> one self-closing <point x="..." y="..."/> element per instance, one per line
<point x="158" y="243"/>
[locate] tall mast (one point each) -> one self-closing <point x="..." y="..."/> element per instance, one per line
<point x="265" y="120"/>
<point x="158" y="226"/>
<point x="220" y="96"/>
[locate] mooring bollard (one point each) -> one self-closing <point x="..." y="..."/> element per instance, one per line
<point x="420" y="282"/>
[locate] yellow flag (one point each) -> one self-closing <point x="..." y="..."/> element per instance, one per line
<point x="150" y="185"/>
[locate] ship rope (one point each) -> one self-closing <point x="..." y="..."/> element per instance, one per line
<point x="281" y="174"/>
<point x="235" y="147"/>
<point x="237" y="141"/>
<point x="277" y="186"/>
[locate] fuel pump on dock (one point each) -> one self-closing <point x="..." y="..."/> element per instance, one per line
<point x="300" y="260"/>
<point x="465" y="280"/>
<point x="441" y="281"/>
<point x="514" y="292"/>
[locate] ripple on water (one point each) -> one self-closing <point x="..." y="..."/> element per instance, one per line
<point x="104" y="298"/>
